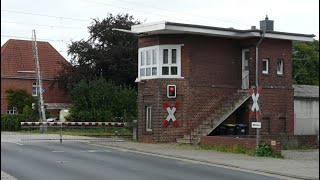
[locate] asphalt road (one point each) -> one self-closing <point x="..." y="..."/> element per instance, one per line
<point x="82" y="161"/>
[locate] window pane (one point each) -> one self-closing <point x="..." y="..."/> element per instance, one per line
<point x="165" y="70"/>
<point x="280" y="67"/>
<point x="246" y="54"/>
<point x="174" y="71"/>
<point x="154" y="56"/>
<point x="148" y="72"/>
<point x="148" y="58"/>
<point x="142" y="72"/>
<point x="264" y="65"/>
<point x="174" y="56"/>
<point x="148" y="118"/>
<point x="142" y="59"/>
<point x="154" y="71"/>
<point x="165" y="56"/>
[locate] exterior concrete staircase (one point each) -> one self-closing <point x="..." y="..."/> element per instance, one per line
<point x="216" y="117"/>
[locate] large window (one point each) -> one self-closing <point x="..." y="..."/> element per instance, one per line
<point x="163" y="61"/>
<point x="280" y="67"/>
<point x="265" y="66"/>
<point x="148" y="118"/>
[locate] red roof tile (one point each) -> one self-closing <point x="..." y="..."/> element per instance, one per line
<point x="17" y="55"/>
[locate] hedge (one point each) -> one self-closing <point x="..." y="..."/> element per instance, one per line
<point x="90" y="116"/>
<point x="11" y="122"/>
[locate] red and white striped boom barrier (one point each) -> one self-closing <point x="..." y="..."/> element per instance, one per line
<point x="118" y="124"/>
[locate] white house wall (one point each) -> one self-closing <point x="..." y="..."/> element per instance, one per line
<point x="306" y="116"/>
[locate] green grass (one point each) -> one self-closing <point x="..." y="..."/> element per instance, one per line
<point x="238" y="149"/>
<point x="83" y="131"/>
<point x="304" y="147"/>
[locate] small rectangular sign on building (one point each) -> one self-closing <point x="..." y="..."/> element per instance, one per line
<point x="256" y="125"/>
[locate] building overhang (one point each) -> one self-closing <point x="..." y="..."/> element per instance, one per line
<point x="164" y="27"/>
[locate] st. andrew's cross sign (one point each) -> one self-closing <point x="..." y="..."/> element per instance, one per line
<point x="255" y="105"/>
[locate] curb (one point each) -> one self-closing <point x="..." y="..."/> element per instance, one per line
<point x="213" y="163"/>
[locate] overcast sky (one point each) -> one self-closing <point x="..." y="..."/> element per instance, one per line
<point x="60" y="21"/>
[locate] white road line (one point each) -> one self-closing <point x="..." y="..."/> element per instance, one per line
<point x="13" y="142"/>
<point x="57" y="151"/>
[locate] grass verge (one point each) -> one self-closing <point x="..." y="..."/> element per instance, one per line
<point x="238" y="149"/>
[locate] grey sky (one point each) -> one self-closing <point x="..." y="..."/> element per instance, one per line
<point x="61" y="21"/>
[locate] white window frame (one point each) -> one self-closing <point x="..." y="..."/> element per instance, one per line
<point x="280" y="71"/>
<point x="159" y="61"/>
<point x="12" y="111"/>
<point x="148" y="121"/>
<point x="35" y="91"/>
<point x="265" y="71"/>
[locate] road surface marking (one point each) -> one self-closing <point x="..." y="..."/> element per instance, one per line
<point x="57" y="151"/>
<point x="13" y="143"/>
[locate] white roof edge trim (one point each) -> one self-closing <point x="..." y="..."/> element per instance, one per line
<point x="163" y="26"/>
<point x="289" y="37"/>
<point x="141" y="28"/>
<point x="212" y="31"/>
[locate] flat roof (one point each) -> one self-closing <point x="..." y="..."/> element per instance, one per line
<point x="165" y="27"/>
<point x="306" y="91"/>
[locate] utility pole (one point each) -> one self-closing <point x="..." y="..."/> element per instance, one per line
<point x="42" y="114"/>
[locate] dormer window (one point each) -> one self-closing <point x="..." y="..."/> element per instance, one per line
<point x="163" y="61"/>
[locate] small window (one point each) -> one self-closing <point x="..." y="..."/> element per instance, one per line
<point x="265" y="66"/>
<point x="280" y="67"/>
<point x="148" y="118"/>
<point x="34" y="89"/>
<point x="12" y="111"/>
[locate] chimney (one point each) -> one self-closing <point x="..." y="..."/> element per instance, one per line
<point x="266" y="25"/>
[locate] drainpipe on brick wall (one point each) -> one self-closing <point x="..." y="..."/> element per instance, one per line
<point x="257" y="71"/>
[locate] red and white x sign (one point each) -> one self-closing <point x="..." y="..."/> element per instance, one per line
<point x="255" y="105"/>
<point x="171" y="114"/>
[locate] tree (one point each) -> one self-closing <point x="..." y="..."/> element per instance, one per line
<point x="19" y="98"/>
<point x="107" y="53"/>
<point x="100" y="99"/>
<point x="305" y="58"/>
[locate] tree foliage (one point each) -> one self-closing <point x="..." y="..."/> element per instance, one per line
<point x="305" y="58"/>
<point x="107" y="53"/>
<point x="100" y="99"/>
<point x="19" y="98"/>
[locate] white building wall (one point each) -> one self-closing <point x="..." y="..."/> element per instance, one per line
<point x="306" y="116"/>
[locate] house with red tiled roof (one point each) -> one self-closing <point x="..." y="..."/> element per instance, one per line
<point x="18" y="72"/>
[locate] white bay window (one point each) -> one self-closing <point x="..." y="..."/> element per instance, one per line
<point x="163" y="61"/>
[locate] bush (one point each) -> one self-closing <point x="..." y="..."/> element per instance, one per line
<point x="100" y="100"/>
<point x="11" y="122"/>
<point x="91" y="116"/>
<point x="263" y="150"/>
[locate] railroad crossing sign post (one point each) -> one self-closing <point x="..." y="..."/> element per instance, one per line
<point x="255" y="108"/>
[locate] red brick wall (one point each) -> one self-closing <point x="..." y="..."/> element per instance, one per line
<point x="211" y="71"/>
<point x="54" y="95"/>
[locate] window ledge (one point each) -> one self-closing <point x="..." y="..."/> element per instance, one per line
<point x="170" y="77"/>
<point x="148" y="131"/>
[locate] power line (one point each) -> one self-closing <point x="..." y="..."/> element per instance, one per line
<point x="52" y="26"/>
<point x="147" y="12"/>
<point x="170" y="10"/>
<point x="21" y="37"/>
<point x="44" y="15"/>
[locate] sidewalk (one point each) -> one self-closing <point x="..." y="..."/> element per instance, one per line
<point x="293" y="167"/>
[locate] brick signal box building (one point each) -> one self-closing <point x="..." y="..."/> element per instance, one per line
<point x="213" y="69"/>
